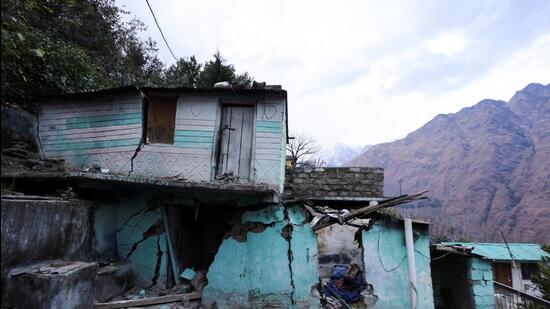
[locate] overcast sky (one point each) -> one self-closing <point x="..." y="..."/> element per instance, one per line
<point x="365" y="72"/>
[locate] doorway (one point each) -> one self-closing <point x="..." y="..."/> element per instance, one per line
<point x="237" y="130"/>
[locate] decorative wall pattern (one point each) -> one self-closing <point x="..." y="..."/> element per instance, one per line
<point x="106" y="131"/>
<point x="92" y="131"/>
<point x="270" y="143"/>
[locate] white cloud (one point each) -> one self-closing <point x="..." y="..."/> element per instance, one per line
<point x="365" y="72"/>
<point x="447" y="43"/>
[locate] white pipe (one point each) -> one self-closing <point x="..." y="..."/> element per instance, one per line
<point x="409" y="241"/>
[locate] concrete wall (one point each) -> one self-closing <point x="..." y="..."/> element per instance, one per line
<point x="37" y="230"/>
<point x="385" y="260"/>
<point x="481" y="279"/>
<point x="335" y="182"/>
<point x="276" y="266"/>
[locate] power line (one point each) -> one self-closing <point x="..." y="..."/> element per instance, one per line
<point x="160" y="30"/>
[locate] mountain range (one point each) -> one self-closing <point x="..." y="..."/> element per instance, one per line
<point x="339" y="154"/>
<point x="487" y="169"/>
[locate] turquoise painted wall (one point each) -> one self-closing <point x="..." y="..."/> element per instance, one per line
<point x="256" y="272"/>
<point x="481" y="278"/>
<point x="385" y="258"/>
<point x="120" y="225"/>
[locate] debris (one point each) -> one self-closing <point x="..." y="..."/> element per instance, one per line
<point x="329" y="220"/>
<point x="228" y="176"/>
<point x="150" y="301"/>
<point x="223" y="85"/>
<point x="345" y="283"/>
<point x="199" y="281"/>
<point x="188" y="274"/>
<point x="67" y="194"/>
<point x="258" y="85"/>
<point x="96" y="168"/>
<point x="274" y="87"/>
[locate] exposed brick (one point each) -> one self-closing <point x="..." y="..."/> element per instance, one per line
<point x="335" y="182"/>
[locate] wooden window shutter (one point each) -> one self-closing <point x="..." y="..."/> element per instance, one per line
<point x="161" y="120"/>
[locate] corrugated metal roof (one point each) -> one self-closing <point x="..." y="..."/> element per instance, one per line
<point x="498" y="251"/>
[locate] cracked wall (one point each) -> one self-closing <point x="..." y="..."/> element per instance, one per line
<point x="386" y="267"/>
<point x="274" y="267"/>
<point x="133" y="230"/>
<point x="107" y="130"/>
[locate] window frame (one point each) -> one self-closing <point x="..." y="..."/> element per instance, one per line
<point x="160" y="124"/>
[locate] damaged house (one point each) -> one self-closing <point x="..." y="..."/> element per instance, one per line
<point x="486" y="275"/>
<point x="182" y="194"/>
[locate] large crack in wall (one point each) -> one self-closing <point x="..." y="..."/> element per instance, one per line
<point x="159" y="261"/>
<point x="154" y="230"/>
<point x="286" y="232"/>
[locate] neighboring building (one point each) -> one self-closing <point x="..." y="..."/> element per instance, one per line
<point x="178" y="184"/>
<point x="484" y="275"/>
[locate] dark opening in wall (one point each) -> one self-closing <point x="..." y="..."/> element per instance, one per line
<point x="196" y="234"/>
<point x="161" y="120"/>
<point x="528" y="270"/>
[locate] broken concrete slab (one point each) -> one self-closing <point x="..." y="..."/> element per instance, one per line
<point x="52" y="284"/>
<point x="236" y="194"/>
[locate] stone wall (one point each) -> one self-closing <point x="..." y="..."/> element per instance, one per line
<point x="335" y="182"/>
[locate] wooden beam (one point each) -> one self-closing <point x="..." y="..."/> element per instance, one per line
<point x="370" y="209"/>
<point x="149" y="301"/>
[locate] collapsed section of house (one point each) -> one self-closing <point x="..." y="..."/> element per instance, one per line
<point x="181" y="196"/>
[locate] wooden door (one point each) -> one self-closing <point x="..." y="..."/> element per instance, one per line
<point x="502" y="273"/>
<point x="237" y="129"/>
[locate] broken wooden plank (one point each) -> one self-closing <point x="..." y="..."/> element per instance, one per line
<point x="149" y="301"/>
<point x="173" y="260"/>
<point x="370" y="209"/>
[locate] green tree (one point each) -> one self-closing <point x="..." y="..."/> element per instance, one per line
<point x="60" y="46"/>
<point x="184" y="73"/>
<point x="542" y="277"/>
<point x="52" y="47"/>
<point x="216" y="70"/>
